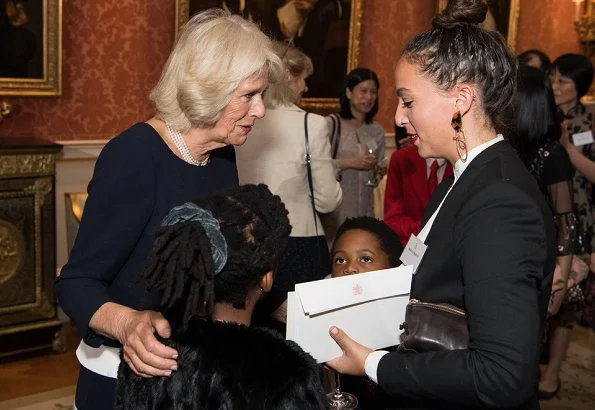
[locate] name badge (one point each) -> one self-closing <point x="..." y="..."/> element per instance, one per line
<point x="582" y="138"/>
<point x="414" y="252"/>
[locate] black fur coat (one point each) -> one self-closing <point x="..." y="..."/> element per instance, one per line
<point x="228" y="366"/>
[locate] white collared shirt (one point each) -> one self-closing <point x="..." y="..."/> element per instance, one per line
<point x="373" y="359"/>
<point x="461" y="166"/>
<point x="441" y="167"/>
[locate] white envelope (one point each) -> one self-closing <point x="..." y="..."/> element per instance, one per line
<point x="369" y="307"/>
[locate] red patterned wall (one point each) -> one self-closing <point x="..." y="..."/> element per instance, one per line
<point x="387" y="26"/>
<point x="113" y="51"/>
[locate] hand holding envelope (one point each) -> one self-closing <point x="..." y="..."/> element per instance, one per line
<point x="354" y="356"/>
<point x="369" y="307"/>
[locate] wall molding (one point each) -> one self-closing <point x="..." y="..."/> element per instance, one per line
<point x="74" y="169"/>
<point x="81" y="149"/>
<point x="389" y="140"/>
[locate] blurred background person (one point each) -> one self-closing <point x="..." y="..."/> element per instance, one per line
<point x="410" y="182"/>
<point x="275" y="155"/>
<point x="583" y="164"/>
<point x="207" y="99"/>
<point x="537" y="141"/>
<point x="213" y="260"/>
<point x="571" y="76"/>
<point x="358" y="148"/>
<point x="535" y="58"/>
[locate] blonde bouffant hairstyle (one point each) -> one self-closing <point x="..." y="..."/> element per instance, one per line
<point x="295" y="63"/>
<point x="214" y="53"/>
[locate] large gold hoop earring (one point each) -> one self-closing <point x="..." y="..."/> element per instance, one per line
<point x="459" y="138"/>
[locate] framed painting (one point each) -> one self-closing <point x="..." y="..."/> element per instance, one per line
<point x="328" y="31"/>
<point x="31" y="48"/>
<point x="503" y="16"/>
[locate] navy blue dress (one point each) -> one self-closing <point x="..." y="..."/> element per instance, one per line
<point x="137" y="180"/>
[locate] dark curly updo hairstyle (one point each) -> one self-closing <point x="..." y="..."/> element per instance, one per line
<point x="389" y="240"/>
<point x="180" y="266"/>
<point x="457" y="51"/>
<point x="353" y="78"/>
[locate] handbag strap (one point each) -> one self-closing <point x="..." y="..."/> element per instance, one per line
<point x="335" y="134"/>
<point x="309" y="172"/>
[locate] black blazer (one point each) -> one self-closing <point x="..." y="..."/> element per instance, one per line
<point x="491" y="251"/>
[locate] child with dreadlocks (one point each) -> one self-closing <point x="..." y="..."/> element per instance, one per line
<point x="212" y="261"/>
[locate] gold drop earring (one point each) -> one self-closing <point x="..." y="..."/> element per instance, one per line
<point x="459" y="138"/>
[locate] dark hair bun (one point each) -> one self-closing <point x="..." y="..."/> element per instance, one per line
<point x="461" y="12"/>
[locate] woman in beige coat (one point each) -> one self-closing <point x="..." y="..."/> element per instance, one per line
<point x="276" y="156"/>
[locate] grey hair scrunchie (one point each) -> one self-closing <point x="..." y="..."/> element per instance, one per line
<point x="190" y="212"/>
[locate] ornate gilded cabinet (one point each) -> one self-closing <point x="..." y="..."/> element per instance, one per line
<point x="28" y="317"/>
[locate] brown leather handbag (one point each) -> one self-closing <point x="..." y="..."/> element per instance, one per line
<point x="433" y="327"/>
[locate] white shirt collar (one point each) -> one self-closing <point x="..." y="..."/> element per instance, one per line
<point x="429" y="161"/>
<point x="461" y="166"/>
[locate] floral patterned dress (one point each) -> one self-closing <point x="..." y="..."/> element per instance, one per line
<point x="580" y="119"/>
<point x="552" y="169"/>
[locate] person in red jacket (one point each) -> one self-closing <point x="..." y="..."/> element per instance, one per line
<point x="409" y="185"/>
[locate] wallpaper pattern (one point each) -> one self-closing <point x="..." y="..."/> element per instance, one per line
<point x="387" y="26"/>
<point x="113" y="51"/>
<point x="547" y="25"/>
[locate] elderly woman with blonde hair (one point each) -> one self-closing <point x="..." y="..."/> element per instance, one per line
<point x="208" y="98"/>
<point x="276" y="156"/>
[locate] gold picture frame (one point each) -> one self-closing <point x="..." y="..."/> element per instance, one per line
<point x="48" y="49"/>
<point x="320" y="102"/>
<point x="511" y="24"/>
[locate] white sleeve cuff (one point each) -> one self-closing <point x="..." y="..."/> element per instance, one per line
<point x="371" y="365"/>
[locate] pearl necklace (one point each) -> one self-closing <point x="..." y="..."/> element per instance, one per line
<point x="183" y="148"/>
